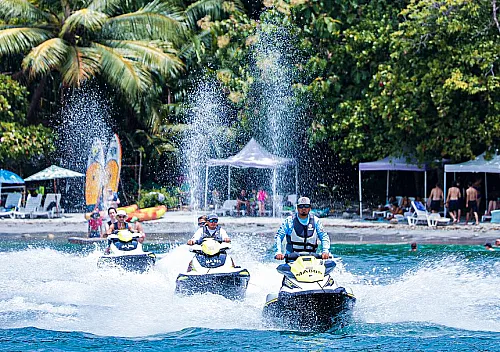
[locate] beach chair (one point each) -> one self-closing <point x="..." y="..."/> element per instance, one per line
<point x="12" y="204"/>
<point x="32" y="205"/>
<point x="420" y="214"/>
<point x="51" y="206"/>
<point x="228" y="207"/>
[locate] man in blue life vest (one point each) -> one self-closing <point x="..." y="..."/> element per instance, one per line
<point x="302" y="231"/>
<point x="210" y="229"/>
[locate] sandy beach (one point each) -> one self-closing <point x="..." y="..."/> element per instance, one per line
<point x="341" y="230"/>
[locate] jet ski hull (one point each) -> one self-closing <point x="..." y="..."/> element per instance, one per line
<point x="310" y="310"/>
<point x="230" y="285"/>
<point x="137" y="262"/>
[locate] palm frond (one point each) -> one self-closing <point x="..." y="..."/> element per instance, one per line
<point x="145" y="25"/>
<point x="156" y="56"/>
<point x="45" y="57"/>
<point x="82" y="64"/>
<point x="127" y="75"/>
<point x="108" y="7"/>
<point x="91" y="20"/>
<point x="213" y="8"/>
<point x="22" y="10"/>
<point x="19" y="40"/>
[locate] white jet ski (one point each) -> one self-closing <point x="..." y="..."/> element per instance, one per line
<point x="309" y="298"/>
<point x="213" y="270"/>
<point x="126" y="251"/>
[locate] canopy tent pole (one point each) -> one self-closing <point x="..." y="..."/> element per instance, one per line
<point x="387" y="188"/>
<point x="274" y="192"/>
<point x="296" y="180"/>
<point x="206" y="186"/>
<point x="425" y="184"/>
<point x="485" y="190"/>
<point x="444" y="193"/>
<point x="360" y="198"/>
<point x="228" y="182"/>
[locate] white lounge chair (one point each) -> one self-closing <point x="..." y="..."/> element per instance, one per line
<point x="12" y="204"/>
<point x="228" y="207"/>
<point x="51" y="207"/>
<point x="32" y="205"/>
<point x="422" y="215"/>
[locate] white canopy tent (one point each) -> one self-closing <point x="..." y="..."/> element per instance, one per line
<point x="253" y="155"/>
<point x="479" y="164"/>
<point x="390" y="164"/>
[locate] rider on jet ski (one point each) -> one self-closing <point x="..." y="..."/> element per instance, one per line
<point x="302" y="231"/>
<point x="210" y="230"/>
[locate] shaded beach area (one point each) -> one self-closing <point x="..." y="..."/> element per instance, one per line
<point x="180" y="224"/>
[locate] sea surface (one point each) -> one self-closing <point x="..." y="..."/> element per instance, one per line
<point x="53" y="298"/>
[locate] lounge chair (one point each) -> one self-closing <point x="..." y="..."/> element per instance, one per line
<point x="229" y="208"/>
<point x="32" y="205"/>
<point x="422" y="215"/>
<point x="51" y="207"/>
<point x="12" y="204"/>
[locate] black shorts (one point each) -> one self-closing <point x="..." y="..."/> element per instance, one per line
<point x="435" y="205"/>
<point x="453" y="205"/>
<point x="472" y="206"/>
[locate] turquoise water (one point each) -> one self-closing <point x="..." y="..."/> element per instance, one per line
<point x="52" y="298"/>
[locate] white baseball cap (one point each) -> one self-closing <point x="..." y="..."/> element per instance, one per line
<point x="304" y="201"/>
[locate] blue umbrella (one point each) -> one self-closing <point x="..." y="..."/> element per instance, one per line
<point x="9" y="177"/>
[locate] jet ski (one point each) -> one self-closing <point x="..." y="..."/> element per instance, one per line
<point x="126" y="251"/>
<point x="309" y="298"/>
<point x="213" y="270"/>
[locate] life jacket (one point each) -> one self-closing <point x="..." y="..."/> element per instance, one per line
<point x="116" y="229"/>
<point x="216" y="235"/>
<point x="303" y="237"/>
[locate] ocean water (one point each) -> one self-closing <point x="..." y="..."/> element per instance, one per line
<point x="53" y="298"/>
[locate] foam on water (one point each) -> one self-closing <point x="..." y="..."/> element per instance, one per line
<point x="450" y="292"/>
<point x="53" y="290"/>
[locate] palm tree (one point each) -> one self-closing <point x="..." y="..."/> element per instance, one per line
<point x="128" y="47"/>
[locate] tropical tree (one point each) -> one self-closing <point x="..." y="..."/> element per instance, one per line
<point x="19" y="142"/>
<point x="127" y="43"/>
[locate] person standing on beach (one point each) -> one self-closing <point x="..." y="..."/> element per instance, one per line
<point x="452" y="201"/>
<point x="471" y="203"/>
<point x="435" y="198"/>
<point x="302" y="231"/>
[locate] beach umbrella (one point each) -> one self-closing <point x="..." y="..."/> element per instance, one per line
<point x="52" y="173"/>
<point x="8" y="177"/>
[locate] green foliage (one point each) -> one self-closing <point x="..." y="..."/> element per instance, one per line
<point x="151" y="198"/>
<point x="18" y="142"/>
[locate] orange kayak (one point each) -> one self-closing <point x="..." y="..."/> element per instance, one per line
<point x="148" y="213"/>
<point x="129" y="208"/>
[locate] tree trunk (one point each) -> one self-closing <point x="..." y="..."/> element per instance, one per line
<point x="35" y="100"/>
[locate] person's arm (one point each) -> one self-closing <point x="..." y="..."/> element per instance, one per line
<point x="324" y="238"/>
<point x="196" y="237"/>
<point x="110" y="230"/>
<point x="278" y="239"/>
<point x="224" y="236"/>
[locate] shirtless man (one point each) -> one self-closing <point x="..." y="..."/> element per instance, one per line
<point x="435" y="198"/>
<point x="471" y="203"/>
<point x="452" y="201"/>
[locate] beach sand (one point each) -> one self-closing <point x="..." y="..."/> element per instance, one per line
<point x="179" y="224"/>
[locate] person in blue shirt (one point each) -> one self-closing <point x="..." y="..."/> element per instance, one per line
<point x="302" y="232"/>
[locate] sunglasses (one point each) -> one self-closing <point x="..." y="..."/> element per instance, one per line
<point x="213" y="220"/>
<point x="303" y="206"/>
<point x="121" y="216"/>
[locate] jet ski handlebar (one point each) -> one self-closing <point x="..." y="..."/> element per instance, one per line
<point x="294" y="256"/>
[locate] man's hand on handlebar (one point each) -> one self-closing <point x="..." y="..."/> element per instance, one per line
<point x="227" y="240"/>
<point x="325" y="255"/>
<point x="190" y="242"/>
<point x="279" y="256"/>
